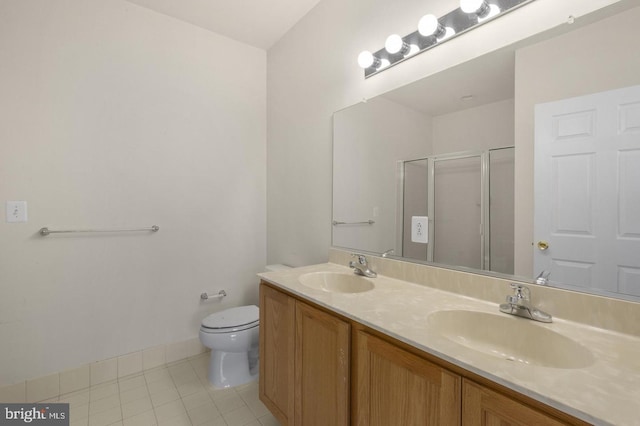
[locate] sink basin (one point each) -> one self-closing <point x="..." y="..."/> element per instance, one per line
<point x="511" y="338"/>
<point x="336" y="282"/>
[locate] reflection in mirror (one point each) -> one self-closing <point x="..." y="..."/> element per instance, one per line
<point x="398" y="156"/>
<point x="460" y="194"/>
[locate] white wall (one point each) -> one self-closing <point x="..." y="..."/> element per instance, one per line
<point x="312" y="72"/>
<point x="116" y="116"/>
<point x="369" y="140"/>
<point x="601" y="56"/>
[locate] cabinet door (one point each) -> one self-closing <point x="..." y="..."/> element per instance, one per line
<point x="483" y="407"/>
<point x="277" y="328"/>
<point x="395" y="387"/>
<point x="321" y="368"/>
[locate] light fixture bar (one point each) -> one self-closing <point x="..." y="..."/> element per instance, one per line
<point x="455" y="23"/>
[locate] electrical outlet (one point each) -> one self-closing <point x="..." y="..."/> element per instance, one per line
<point x="420" y="229"/>
<point x="16" y="211"/>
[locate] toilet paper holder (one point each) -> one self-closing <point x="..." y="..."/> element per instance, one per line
<point x="219" y="295"/>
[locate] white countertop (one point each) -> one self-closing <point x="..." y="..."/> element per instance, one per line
<point x="605" y="392"/>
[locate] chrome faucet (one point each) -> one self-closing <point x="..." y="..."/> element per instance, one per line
<point x="519" y="304"/>
<point x="361" y="267"/>
<point x="543" y="278"/>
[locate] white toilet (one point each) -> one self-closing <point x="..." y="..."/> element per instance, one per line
<point x="232" y="336"/>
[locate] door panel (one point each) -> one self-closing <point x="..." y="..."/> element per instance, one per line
<point x="587" y="191"/>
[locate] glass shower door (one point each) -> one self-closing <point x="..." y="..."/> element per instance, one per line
<point x="456" y="211"/>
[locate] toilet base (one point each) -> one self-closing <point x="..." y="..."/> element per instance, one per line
<point x="229" y="369"/>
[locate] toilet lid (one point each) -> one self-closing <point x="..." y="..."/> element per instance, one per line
<point x="233" y="318"/>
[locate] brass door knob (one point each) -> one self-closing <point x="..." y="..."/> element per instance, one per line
<point x="543" y="245"/>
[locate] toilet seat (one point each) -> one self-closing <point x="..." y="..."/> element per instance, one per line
<point x="232" y="320"/>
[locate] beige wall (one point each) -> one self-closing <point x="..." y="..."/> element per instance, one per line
<point x="598" y="57"/>
<point x="312" y="72"/>
<point x="116" y="116"/>
<point x="474" y="129"/>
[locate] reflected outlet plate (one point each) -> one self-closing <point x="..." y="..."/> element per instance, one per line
<point x="420" y="229"/>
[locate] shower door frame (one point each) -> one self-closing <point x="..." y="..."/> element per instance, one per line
<point x="485" y="230"/>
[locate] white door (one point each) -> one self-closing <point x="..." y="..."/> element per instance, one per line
<point x="587" y="191"/>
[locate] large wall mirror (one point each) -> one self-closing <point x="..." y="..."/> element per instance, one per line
<point x="524" y="162"/>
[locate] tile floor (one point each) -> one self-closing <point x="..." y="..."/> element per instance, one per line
<point x="174" y="395"/>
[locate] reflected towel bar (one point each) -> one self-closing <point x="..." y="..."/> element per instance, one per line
<point x="367" y="222"/>
<point x="46" y="231"/>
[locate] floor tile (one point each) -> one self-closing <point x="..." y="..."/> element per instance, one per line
<point x="103" y="391"/>
<point x="218" y="421"/>
<point x="203" y="413"/>
<point x="136" y="407"/>
<point x="161" y="385"/>
<point x="269" y="420"/>
<point x="129" y="383"/>
<point x="164" y="397"/>
<point x="134" y="394"/>
<point x="156" y="374"/>
<point x="239" y="417"/>
<point x="181" y="420"/>
<point x="105" y="418"/>
<point x="147" y="418"/>
<point x="167" y="396"/>
<point x="196" y="400"/>
<point x="230" y="403"/>
<point x="170" y="410"/>
<point x="190" y="388"/>
<point x="104" y="404"/>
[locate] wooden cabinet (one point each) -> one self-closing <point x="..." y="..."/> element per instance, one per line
<point x="277" y="331"/>
<point x="304" y="362"/>
<point x="321" y="368"/>
<point x="395" y="387"/>
<point x="315" y="371"/>
<point x="483" y="407"/>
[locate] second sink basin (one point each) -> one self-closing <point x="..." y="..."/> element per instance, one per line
<point x="336" y="282"/>
<point x="510" y="338"/>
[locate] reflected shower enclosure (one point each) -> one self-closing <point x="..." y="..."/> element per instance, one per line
<point x="469" y="200"/>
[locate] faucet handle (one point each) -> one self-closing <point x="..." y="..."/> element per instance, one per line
<point x="361" y="258"/>
<point x="520" y="292"/>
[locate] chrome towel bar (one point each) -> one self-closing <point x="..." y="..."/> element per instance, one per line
<point x="366" y="222"/>
<point x="46" y="231"/>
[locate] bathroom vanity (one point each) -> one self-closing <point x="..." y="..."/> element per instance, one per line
<point x="401" y="353"/>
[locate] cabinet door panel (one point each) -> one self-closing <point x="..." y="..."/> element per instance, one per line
<point x="277" y="328"/>
<point x="321" y="368"/>
<point x="483" y="407"/>
<point x="397" y="387"/>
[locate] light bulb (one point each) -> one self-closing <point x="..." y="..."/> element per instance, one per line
<point x="428" y="25"/>
<point x="473" y="6"/>
<point x="366" y="60"/>
<point x="492" y="11"/>
<point x="394" y="44"/>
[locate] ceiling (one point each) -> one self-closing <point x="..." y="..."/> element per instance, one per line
<point x="259" y="23"/>
<point x="489" y="78"/>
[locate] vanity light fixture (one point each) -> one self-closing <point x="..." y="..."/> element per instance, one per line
<point x="478" y="7"/>
<point x="366" y="60"/>
<point x="429" y="25"/>
<point x="433" y="31"/>
<point x="395" y="44"/>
